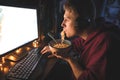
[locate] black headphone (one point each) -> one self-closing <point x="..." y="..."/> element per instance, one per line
<point x="87" y="12"/>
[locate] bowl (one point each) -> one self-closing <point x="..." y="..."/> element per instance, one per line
<point x="60" y="47"/>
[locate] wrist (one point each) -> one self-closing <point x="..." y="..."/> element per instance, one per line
<point x="69" y="59"/>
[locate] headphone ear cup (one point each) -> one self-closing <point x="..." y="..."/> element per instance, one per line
<point x="82" y="23"/>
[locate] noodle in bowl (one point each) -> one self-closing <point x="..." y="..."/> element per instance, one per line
<point x="59" y="47"/>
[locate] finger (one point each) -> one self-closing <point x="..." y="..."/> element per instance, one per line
<point x="44" y="50"/>
<point x="56" y="55"/>
<point x="51" y="56"/>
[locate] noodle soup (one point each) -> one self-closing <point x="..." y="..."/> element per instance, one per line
<point x="59" y="47"/>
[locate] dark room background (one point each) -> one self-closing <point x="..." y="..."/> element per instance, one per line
<point x="50" y="12"/>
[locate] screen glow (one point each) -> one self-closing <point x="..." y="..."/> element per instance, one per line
<point x="17" y="27"/>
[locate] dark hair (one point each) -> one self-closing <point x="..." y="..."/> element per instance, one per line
<point x="85" y="9"/>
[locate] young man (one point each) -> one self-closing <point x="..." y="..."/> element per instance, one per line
<point x="95" y="47"/>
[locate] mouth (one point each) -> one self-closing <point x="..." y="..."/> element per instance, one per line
<point x="65" y="32"/>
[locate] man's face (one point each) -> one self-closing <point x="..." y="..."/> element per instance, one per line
<point x="69" y="24"/>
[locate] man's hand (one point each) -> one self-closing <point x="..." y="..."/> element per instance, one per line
<point x="45" y="50"/>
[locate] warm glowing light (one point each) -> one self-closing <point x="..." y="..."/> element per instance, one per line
<point x="3" y="59"/>
<point x="12" y="63"/>
<point x="35" y="43"/>
<point x="27" y="48"/>
<point x="6" y="69"/>
<point x="12" y="57"/>
<point x="1" y="67"/>
<point x="18" y="51"/>
<point x="0" y="64"/>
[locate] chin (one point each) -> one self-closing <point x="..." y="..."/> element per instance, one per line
<point x="68" y="36"/>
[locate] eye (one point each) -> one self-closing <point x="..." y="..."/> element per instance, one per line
<point x="67" y="19"/>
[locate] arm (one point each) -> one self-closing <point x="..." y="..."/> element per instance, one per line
<point x="76" y="68"/>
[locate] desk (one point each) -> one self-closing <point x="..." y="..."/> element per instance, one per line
<point x="40" y="72"/>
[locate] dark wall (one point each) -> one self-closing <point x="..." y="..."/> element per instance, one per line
<point x="22" y="3"/>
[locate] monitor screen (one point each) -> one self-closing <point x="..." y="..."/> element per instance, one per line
<point x="18" y="26"/>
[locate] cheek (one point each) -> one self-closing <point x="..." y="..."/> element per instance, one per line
<point x="72" y="27"/>
<point x="69" y="27"/>
<point x="70" y="31"/>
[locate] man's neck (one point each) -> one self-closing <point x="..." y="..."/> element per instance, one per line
<point x="84" y="35"/>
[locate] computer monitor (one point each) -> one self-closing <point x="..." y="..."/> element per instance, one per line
<point x="18" y="26"/>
